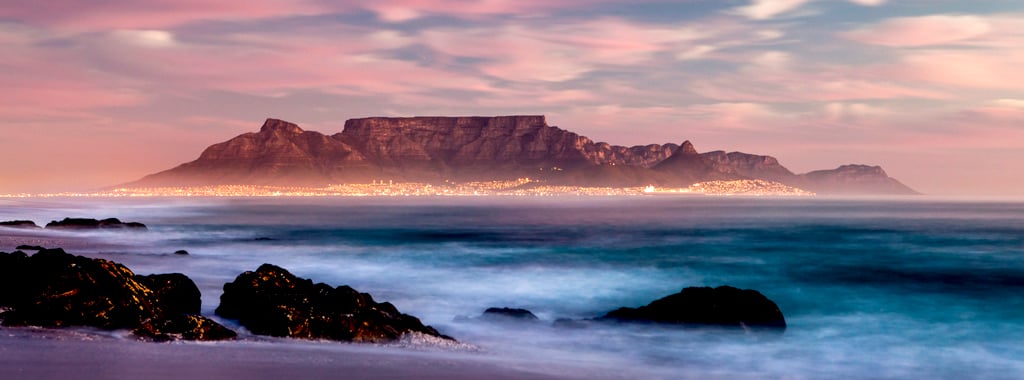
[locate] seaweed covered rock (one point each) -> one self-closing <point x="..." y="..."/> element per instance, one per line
<point x="272" y="301"/>
<point x="54" y="289"/>
<point x="176" y="292"/>
<point x="185" y="327"/>
<point x="723" y="306"/>
<point x="91" y="224"/>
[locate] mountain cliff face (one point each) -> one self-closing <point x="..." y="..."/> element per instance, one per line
<point x="434" y="149"/>
<point x="686" y="167"/>
<point x="749" y="165"/>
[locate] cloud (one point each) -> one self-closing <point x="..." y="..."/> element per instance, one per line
<point x="560" y="52"/>
<point x="841" y="112"/>
<point x="405" y="10"/>
<point x="696" y="52"/>
<point x="1012" y="103"/>
<point x="980" y="69"/>
<point x="149" y="38"/>
<point x="922" y="31"/>
<point x="868" y="3"/>
<point x="161" y="14"/>
<point x="766" y="9"/>
<point x="779" y="77"/>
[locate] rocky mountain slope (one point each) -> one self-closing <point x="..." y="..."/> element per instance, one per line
<point x="435" y="149"/>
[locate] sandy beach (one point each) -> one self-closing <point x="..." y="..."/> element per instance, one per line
<point x="31" y="353"/>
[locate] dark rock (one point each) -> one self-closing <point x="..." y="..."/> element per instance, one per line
<point x="272" y="301"/>
<point x="181" y="252"/>
<point x="182" y="326"/>
<point x="176" y="292"/>
<point x="30" y="247"/>
<point x="55" y="289"/>
<point x="724" y="306"/>
<point x="59" y="289"/>
<point x="12" y="276"/>
<point x="509" y="313"/>
<point x="19" y="224"/>
<point x="85" y="224"/>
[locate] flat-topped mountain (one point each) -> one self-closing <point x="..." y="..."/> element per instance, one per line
<point x="435" y="149"/>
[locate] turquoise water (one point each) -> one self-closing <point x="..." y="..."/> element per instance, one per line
<point x="910" y="288"/>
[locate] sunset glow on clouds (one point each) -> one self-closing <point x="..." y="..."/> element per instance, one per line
<point x="916" y="86"/>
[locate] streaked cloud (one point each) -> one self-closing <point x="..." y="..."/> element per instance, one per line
<point x="766" y="9"/>
<point x="868" y="3"/>
<point x="149" y="38"/>
<point x="923" y="30"/>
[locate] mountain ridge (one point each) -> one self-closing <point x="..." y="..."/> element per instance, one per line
<point x="470" y="148"/>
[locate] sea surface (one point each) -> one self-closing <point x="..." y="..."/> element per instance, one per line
<point x="896" y="288"/>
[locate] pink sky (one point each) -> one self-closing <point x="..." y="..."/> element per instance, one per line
<point x="933" y="91"/>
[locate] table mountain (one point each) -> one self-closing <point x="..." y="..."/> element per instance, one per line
<point x="435" y="149"/>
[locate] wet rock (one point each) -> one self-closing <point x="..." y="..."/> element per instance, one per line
<point x="59" y="289"/>
<point x="176" y="292"/>
<point x="11" y="275"/>
<point x="505" y="313"/>
<point x="184" y="327"/>
<point x="723" y="306"/>
<point x="30" y="247"/>
<point x="272" y="301"/>
<point x="55" y="289"/>
<point x="181" y="252"/>
<point x="19" y="224"/>
<point x="86" y="224"/>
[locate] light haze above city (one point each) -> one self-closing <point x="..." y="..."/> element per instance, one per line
<point x="101" y="93"/>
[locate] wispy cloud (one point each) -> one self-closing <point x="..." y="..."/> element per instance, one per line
<point x="923" y="30"/>
<point x="766" y="9"/>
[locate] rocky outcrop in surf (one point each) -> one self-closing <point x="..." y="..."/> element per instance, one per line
<point x="506" y="313"/>
<point x="272" y="301"/>
<point x="724" y="306"/>
<point x="55" y="289"/>
<point x="93" y="224"/>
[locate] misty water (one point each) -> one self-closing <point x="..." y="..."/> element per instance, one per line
<point x="910" y="288"/>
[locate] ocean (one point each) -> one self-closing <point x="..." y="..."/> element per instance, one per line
<point x="888" y="288"/>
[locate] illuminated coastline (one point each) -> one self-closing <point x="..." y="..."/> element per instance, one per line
<point x="518" y="187"/>
<point x="745" y="187"/>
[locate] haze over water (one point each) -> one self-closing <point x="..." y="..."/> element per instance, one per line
<point x="912" y="288"/>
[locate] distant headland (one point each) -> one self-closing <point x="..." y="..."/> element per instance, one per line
<point x="442" y="150"/>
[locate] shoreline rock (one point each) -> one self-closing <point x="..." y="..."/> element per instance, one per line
<point x="272" y="301"/>
<point x="55" y="289"/>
